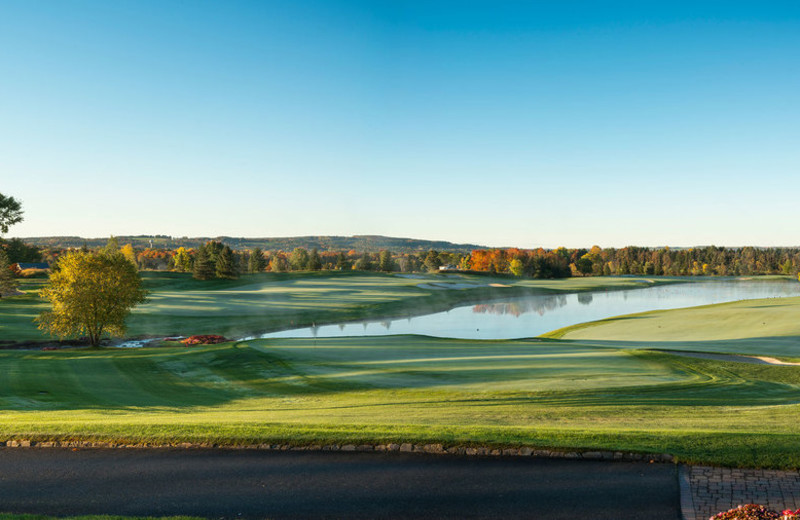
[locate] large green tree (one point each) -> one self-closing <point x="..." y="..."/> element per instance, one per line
<point x="256" y="263"/>
<point x="91" y="294"/>
<point x="226" y="265"/>
<point x="314" y="262"/>
<point x="10" y="212"/>
<point x="298" y="260"/>
<point x="204" y="268"/>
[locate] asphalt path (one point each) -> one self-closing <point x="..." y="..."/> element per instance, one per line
<point x="265" y="484"/>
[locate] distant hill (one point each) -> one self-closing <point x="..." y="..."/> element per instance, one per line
<point x="371" y="243"/>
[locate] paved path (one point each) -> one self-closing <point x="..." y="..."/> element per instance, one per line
<point x="253" y="484"/>
<point x="711" y="490"/>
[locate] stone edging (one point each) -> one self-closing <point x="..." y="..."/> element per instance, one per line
<point x="404" y="447"/>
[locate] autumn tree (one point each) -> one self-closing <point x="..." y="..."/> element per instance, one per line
<point x="277" y="263"/>
<point x="516" y="267"/>
<point x="91" y="294"/>
<point x="128" y="252"/>
<point x="10" y="213"/>
<point x="256" y="262"/>
<point x="182" y="261"/>
<point x="8" y="284"/>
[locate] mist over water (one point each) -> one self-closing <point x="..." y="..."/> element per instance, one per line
<point x="534" y="315"/>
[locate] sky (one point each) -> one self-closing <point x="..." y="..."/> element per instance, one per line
<point x="526" y="124"/>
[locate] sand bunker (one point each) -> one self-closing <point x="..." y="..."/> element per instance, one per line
<point x="754" y="360"/>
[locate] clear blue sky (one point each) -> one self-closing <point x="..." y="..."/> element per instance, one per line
<point x="502" y="123"/>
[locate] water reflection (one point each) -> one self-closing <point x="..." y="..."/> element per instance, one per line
<point x="539" y="305"/>
<point x="532" y="316"/>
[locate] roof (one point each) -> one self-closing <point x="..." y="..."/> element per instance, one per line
<point x="22" y="266"/>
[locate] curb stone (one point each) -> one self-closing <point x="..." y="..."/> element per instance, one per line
<point x="406" y="447"/>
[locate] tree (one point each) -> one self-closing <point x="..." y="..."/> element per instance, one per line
<point x="364" y="263"/>
<point x="226" y="267"/>
<point x="10" y="213"/>
<point x="8" y="285"/>
<point x="432" y="261"/>
<point x="182" y="261"/>
<point x="277" y="263"/>
<point x="204" y="269"/>
<point x="112" y="246"/>
<point x="341" y="262"/>
<point x="298" y="260"/>
<point x="515" y="266"/>
<point x="256" y="262"/>
<point x="91" y="294"/>
<point x="385" y="262"/>
<point x="314" y="262"/>
<point x="128" y="252"/>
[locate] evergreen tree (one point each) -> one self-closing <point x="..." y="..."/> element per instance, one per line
<point x="314" y="262"/>
<point x="8" y="285"/>
<point x="256" y="262"/>
<point x="342" y="263"/>
<point x="203" y="267"/>
<point x="385" y="262"/>
<point x="226" y="266"/>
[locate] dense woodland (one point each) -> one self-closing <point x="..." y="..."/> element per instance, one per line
<point x="215" y="259"/>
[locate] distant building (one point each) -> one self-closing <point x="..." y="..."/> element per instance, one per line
<point x="448" y="267"/>
<point x="23" y="266"/>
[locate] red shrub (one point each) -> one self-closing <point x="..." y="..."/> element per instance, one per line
<point x="204" y="339"/>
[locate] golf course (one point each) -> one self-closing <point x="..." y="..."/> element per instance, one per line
<point x="615" y="384"/>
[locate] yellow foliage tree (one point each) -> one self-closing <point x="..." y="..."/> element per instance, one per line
<point x="128" y="252"/>
<point x="91" y="295"/>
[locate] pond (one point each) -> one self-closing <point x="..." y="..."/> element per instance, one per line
<point x="531" y="316"/>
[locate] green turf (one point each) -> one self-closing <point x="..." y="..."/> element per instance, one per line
<point x="180" y="305"/>
<point x="408" y="388"/>
<point x="602" y="386"/>
<point x="767" y="326"/>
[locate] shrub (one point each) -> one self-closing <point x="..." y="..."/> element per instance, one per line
<point x="204" y="339"/>
<point x="748" y="512"/>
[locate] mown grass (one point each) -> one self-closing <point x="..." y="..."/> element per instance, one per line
<point x="409" y="389"/>
<point x="180" y="305"/>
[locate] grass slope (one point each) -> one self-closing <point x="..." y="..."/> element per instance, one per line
<point x="180" y="305"/>
<point x="766" y="326"/>
<point x="409" y="388"/>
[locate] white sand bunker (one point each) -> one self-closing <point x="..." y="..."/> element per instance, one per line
<point x="754" y="360"/>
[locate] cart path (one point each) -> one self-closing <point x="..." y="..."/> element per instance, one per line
<point x="254" y="484"/>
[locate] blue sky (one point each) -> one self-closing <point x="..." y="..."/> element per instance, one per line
<point x="503" y="123"/>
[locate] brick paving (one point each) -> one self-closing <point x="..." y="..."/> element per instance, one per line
<point x="706" y="490"/>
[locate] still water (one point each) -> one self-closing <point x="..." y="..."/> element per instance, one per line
<point x="534" y="315"/>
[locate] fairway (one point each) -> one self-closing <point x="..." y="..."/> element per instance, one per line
<point x="252" y="304"/>
<point x="408" y="389"/>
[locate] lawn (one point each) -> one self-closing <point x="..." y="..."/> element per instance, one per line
<point x="603" y="385"/>
<point x="409" y="389"/>
<point x="180" y="305"/>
